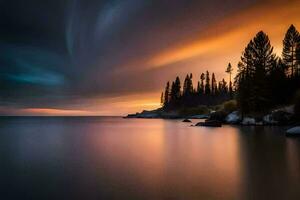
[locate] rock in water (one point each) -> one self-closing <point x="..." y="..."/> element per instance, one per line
<point x="233" y="118"/>
<point x="268" y="119"/>
<point x="186" y="120"/>
<point x="210" y="123"/>
<point x="248" y="121"/>
<point x="295" y="131"/>
<point x="281" y="117"/>
<point x="218" y="116"/>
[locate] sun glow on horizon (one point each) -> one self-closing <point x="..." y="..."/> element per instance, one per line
<point x="135" y="79"/>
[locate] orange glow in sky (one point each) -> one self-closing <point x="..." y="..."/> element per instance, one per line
<point x="221" y="42"/>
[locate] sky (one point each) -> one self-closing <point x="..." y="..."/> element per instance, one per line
<point x="113" y="57"/>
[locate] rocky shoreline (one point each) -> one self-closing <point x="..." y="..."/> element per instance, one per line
<point x="282" y="116"/>
<point x="279" y="117"/>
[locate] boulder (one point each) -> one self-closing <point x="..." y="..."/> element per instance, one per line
<point x="287" y="109"/>
<point x="295" y="131"/>
<point x="218" y="116"/>
<point x="233" y="118"/>
<point x="186" y="120"/>
<point x="248" y="121"/>
<point x="210" y="123"/>
<point x="268" y="119"/>
<point x="282" y="117"/>
<point x="260" y="123"/>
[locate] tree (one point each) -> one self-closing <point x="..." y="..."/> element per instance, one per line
<point x="188" y="85"/>
<point x="290" y="42"/>
<point x="278" y="83"/>
<point x="177" y="88"/>
<point x="172" y="94"/>
<point x="167" y="93"/>
<point x="264" y="59"/>
<point x="185" y="84"/>
<point x="198" y="88"/>
<point x="202" y="78"/>
<point x="207" y="84"/>
<point x="223" y="87"/>
<point x="298" y="57"/>
<point x="229" y="70"/>
<point x="213" y="84"/>
<point x="162" y="99"/>
<point x="243" y="79"/>
<point x="256" y="62"/>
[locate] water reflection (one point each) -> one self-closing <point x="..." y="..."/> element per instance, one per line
<point x="113" y="158"/>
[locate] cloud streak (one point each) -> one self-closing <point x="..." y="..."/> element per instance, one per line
<point x="113" y="57"/>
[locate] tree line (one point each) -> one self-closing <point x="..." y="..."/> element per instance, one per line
<point x="207" y="92"/>
<point x="263" y="80"/>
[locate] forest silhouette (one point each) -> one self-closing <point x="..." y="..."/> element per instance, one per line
<point x="263" y="81"/>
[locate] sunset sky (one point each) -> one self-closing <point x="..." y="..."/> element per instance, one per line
<point x="113" y="57"/>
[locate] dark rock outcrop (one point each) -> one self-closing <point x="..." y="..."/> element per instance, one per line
<point x="210" y="123"/>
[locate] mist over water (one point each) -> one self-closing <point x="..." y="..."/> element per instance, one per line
<point x="115" y="158"/>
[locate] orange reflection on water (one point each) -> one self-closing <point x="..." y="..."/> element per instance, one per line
<point x="166" y="155"/>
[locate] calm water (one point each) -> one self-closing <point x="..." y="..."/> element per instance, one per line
<point x="115" y="158"/>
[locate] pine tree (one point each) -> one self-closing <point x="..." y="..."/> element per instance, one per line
<point x="207" y="84"/>
<point x="172" y="94"/>
<point x="185" y="85"/>
<point x="198" y="88"/>
<point x="177" y="88"/>
<point x="298" y="57"/>
<point x="213" y="84"/>
<point x="290" y="43"/>
<point x="202" y="78"/>
<point x="162" y="99"/>
<point x="263" y="61"/>
<point x="229" y="70"/>
<point x="244" y="77"/>
<point x="257" y="61"/>
<point x="277" y="82"/>
<point x="224" y="87"/>
<point x="167" y="93"/>
<point x="188" y="85"/>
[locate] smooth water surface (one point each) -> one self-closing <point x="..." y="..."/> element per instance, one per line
<point x="115" y="158"/>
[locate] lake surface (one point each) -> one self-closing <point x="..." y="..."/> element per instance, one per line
<point x="115" y="158"/>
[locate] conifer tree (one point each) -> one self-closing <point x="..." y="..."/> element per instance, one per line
<point x="188" y="85"/>
<point x="278" y="83"/>
<point x="172" y="93"/>
<point x="290" y="42"/>
<point x="185" y="84"/>
<point x="298" y="57"/>
<point x="207" y="84"/>
<point x="257" y="61"/>
<point x="177" y="88"/>
<point x="224" y="88"/>
<point x="263" y="61"/>
<point x="167" y="93"/>
<point x="198" y="88"/>
<point x="162" y="99"/>
<point x="202" y="78"/>
<point x="229" y="70"/>
<point x="213" y="84"/>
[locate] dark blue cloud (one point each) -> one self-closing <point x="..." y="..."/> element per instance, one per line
<point x="54" y="51"/>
